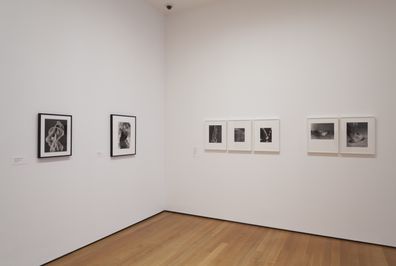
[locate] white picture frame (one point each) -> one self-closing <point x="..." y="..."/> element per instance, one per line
<point x="358" y="135"/>
<point x="240" y="135"/>
<point x="266" y="135"/>
<point x="323" y="135"/>
<point x="215" y="135"/>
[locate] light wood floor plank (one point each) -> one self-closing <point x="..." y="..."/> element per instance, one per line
<point x="171" y="239"/>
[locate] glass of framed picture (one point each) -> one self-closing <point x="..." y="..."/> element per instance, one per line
<point x="240" y="135"/>
<point x="266" y="135"/>
<point x="215" y="135"/>
<point x="322" y="135"/>
<point x="54" y="135"/>
<point x="358" y="135"/>
<point x="122" y="135"/>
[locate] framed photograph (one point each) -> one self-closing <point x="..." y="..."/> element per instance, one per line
<point x="122" y="135"/>
<point x="358" y="135"/>
<point x="323" y="135"/>
<point x="266" y="135"/>
<point x="215" y="135"/>
<point x="54" y="135"/>
<point x="240" y="135"/>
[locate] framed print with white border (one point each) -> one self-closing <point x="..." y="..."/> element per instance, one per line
<point x="215" y="135"/>
<point x="323" y="135"/>
<point x="122" y="135"/>
<point x="54" y="135"/>
<point x="358" y="135"/>
<point x="266" y="135"/>
<point x="240" y="135"/>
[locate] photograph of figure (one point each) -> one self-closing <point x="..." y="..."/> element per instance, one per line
<point x="323" y="135"/>
<point x="322" y="131"/>
<point x="239" y="134"/>
<point x="124" y="135"/>
<point x="215" y="134"/>
<point x="357" y="134"/>
<point x="54" y="135"/>
<point x="266" y="134"/>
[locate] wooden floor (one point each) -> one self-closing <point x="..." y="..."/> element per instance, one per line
<point x="176" y="239"/>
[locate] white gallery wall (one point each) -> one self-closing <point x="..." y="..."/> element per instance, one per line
<point x="88" y="59"/>
<point x="290" y="59"/>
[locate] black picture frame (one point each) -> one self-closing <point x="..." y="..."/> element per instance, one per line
<point x="127" y="146"/>
<point x="61" y="132"/>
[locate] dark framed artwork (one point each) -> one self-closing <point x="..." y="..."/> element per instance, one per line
<point x="267" y="135"/>
<point x="323" y="135"/>
<point x="239" y="135"/>
<point x="54" y="135"/>
<point x="122" y="135"/>
<point x="358" y="135"/>
<point x="215" y="135"/>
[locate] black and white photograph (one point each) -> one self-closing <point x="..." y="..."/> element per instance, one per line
<point x="266" y="135"/>
<point x="215" y="135"/>
<point x="358" y="135"/>
<point x="240" y="135"/>
<point x="322" y="131"/>
<point x="123" y="135"/>
<point x="54" y="135"/>
<point x="323" y="135"/>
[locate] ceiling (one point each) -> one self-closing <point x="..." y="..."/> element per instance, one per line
<point x="177" y="4"/>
